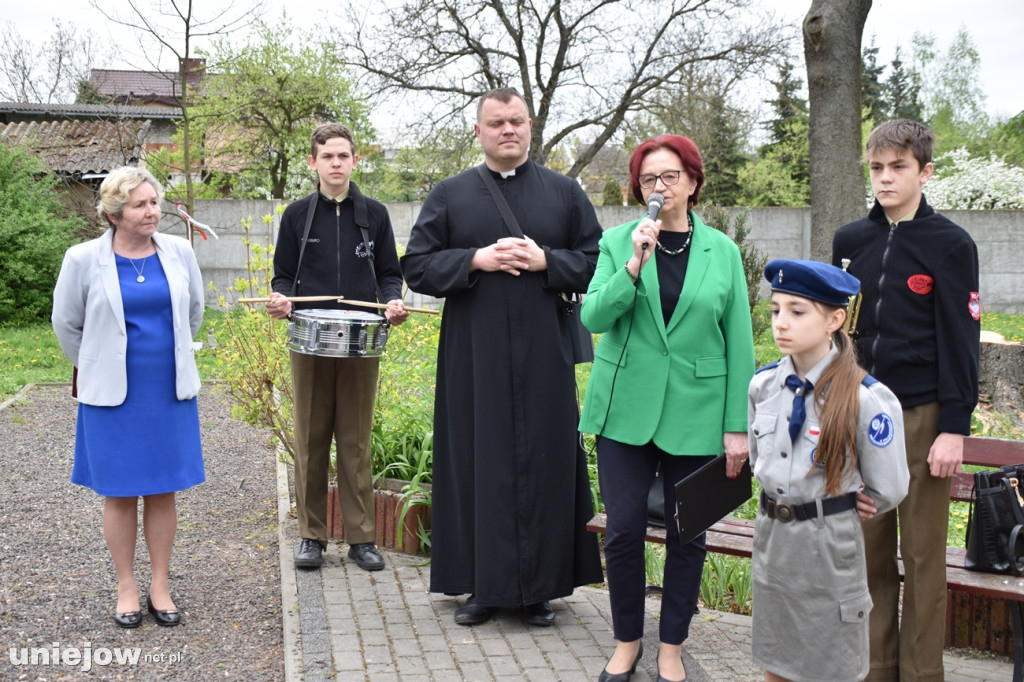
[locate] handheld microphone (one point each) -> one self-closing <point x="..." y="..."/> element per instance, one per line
<point x="654" y="204"/>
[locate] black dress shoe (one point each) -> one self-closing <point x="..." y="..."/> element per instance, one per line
<point x="606" y="676"/>
<point x="164" y="618"/>
<point x="539" y="614"/>
<point x="472" y="613"/>
<point x="311" y="554"/>
<point x="129" y="620"/>
<point x="366" y="556"/>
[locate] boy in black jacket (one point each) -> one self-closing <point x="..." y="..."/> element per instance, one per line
<point x="334" y="396"/>
<point x="918" y="333"/>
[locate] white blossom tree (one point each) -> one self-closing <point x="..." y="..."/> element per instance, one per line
<point x="963" y="182"/>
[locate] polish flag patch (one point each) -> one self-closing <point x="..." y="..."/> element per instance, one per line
<point x="813" y="431"/>
<point x="974" y="306"/>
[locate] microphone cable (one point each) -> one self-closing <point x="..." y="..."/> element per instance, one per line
<point x="625" y="342"/>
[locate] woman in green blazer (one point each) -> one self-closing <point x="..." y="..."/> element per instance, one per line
<point x="668" y="385"/>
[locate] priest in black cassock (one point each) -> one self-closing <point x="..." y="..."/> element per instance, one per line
<point x="511" y="495"/>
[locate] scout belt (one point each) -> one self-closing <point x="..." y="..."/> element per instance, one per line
<point x="785" y="512"/>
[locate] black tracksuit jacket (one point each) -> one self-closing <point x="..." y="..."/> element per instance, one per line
<point x="919" y="325"/>
<point x="335" y="262"/>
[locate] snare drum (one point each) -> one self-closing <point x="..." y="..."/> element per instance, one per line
<point x="337" y="333"/>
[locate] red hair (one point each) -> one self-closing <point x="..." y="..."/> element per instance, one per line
<point x="683" y="147"/>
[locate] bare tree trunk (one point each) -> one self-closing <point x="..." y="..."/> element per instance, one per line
<point x="1001" y="378"/>
<point x="832" y="42"/>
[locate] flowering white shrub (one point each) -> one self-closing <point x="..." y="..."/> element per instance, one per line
<point x="964" y="183"/>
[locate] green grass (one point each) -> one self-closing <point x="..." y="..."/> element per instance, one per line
<point x="31" y="355"/>
<point x="1010" y="326"/>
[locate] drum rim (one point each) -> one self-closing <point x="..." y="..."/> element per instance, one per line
<point x="337" y="313"/>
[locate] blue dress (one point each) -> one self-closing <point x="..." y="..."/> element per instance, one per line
<point x="149" y="444"/>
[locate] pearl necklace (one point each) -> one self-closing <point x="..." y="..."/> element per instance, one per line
<point x="686" y="244"/>
<point x="140" y="279"/>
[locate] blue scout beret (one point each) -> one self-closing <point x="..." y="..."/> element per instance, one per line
<point x="812" y="279"/>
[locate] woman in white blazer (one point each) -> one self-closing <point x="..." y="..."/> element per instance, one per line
<point x="125" y="310"/>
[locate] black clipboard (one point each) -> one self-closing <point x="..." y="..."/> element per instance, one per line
<point x="707" y="495"/>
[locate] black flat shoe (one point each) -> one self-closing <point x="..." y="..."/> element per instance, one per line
<point x="132" y="619"/>
<point x="165" y="618"/>
<point x="539" y="614"/>
<point x="472" y="613"/>
<point x="606" y="676"/>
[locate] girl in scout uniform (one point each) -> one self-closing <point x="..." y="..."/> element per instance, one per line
<point x="821" y="430"/>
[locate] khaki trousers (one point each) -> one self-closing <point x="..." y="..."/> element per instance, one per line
<point x="912" y="650"/>
<point x="334" y="397"/>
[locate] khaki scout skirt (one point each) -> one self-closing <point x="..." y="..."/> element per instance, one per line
<point x="810" y="596"/>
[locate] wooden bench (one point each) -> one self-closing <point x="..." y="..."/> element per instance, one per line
<point x="734" y="536"/>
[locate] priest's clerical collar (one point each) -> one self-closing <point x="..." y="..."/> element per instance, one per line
<point x="505" y="175"/>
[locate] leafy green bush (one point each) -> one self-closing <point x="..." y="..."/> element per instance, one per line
<point x="754" y="260"/>
<point x="251" y="356"/>
<point x="726" y="584"/>
<point x="403" y="421"/>
<point x="611" y="195"/>
<point x="36" y="229"/>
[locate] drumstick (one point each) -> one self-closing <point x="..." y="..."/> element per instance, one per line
<point x="367" y="304"/>
<point x="291" y="298"/>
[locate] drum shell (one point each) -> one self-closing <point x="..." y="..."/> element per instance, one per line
<point x="337" y="333"/>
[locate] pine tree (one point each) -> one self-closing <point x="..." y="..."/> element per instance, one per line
<point x="612" y="193"/>
<point x="723" y="159"/>
<point x="872" y="98"/>
<point x="788" y="106"/>
<point x="781" y="175"/>
<point x="903" y="90"/>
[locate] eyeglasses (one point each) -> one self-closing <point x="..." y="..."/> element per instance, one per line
<point x="669" y="177"/>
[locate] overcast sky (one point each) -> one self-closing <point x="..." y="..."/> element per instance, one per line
<point x="996" y="27"/>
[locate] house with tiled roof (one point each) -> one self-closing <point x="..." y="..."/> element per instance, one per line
<point x="81" y="152"/>
<point x="162" y="119"/>
<point x="146" y="88"/>
<point x="136" y="115"/>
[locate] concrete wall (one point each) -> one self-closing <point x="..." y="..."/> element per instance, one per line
<point x="778" y="232"/>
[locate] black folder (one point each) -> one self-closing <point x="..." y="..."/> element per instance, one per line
<point x="707" y="495"/>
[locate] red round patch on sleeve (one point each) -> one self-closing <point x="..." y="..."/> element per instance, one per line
<point x="921" y="284"/>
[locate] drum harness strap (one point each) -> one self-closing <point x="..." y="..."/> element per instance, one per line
<point x="362" y="222"/>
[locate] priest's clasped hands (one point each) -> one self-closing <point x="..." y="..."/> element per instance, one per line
<point x="510" y="254"/>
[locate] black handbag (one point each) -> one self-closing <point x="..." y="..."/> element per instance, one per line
<point x="995" y="527"/>
<point x="582" y="339"/>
